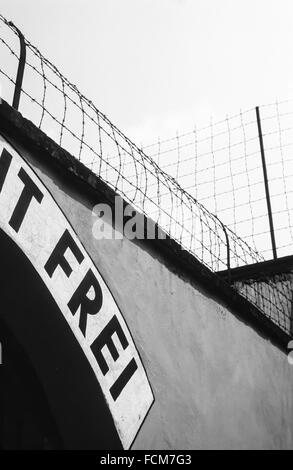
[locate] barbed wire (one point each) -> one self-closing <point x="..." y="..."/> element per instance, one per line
<point x="57" y="107"/>
<point x="229" y="172"/>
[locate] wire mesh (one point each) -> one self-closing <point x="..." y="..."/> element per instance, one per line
<point x="221" y="166"/>
<point x="57" y="107"/>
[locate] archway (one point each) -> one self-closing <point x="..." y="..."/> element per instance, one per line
<point x="49" y="395"/>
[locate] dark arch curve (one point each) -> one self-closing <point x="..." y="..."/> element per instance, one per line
<point x="25" y="418"/>
<point x="72" y="401"/>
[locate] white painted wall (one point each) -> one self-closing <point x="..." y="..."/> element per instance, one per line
<point x="217" y="382"/>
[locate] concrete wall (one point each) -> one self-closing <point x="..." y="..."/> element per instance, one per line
<point x="217" y="382"/>
<point x="273" y="295"/>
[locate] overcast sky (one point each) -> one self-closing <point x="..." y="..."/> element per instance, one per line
<point x="157" y="66"/>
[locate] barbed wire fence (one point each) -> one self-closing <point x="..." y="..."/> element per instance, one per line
<point x="221" y="166"/>
<point x="57" y="107"/>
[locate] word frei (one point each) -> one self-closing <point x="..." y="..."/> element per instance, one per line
<point x="33" y="220"/>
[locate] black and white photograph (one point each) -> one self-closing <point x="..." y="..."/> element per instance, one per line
<point x="146" y="228"/>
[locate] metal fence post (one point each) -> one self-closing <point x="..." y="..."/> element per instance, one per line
<point x="263" y="160"/>
<point x="20" y="70"/>
<point x="227" y="248"/>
